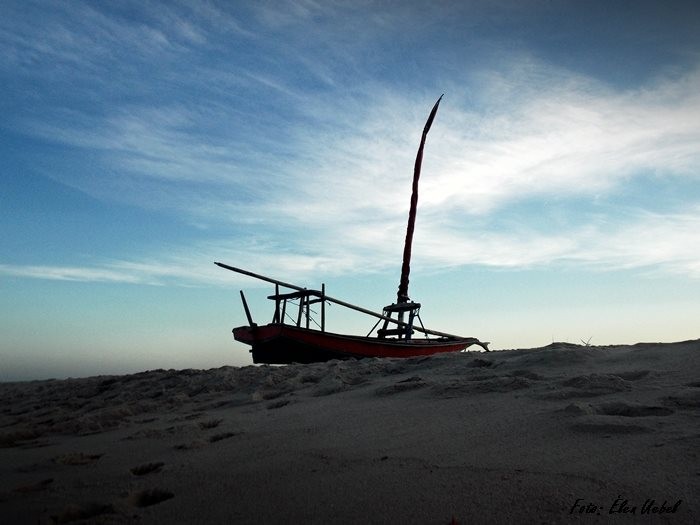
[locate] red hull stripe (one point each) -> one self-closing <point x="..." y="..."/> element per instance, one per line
<point x="347" y="344"/>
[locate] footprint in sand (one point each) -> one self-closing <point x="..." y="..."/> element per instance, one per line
<point x="405" y="385"/>
<point x="199" y="443"/>
<point x="211" y="423"/>
<point x="527" y="374"/>
<point x="192" y="445"/>
<point x="580" y="409"/>
<point x="598" y="423"/>
<point x="618" y="408"/>
<point x="606" y="429"/>
<point x="591" y="385"/>
<point x="629" y="410"/>
<point x="219" y="437"/>
<point x="148" y="468"/>
<point x="18" y="438"/>
<point x="34" y="487"/>
<point x="688" y="399"/>
<point x="75" y="512"/>
<point x="77" y="458"/>
<point x="480" y="363"/>
<point x="633" y="375"/>
<point x="479" y="385"/>
<point x="148" y="497"/>
<point x="278" y="404"/>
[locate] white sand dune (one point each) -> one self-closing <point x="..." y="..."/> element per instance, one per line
<point x="549" y="435"/>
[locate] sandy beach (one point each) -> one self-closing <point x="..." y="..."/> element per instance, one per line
<point x="548" y="435"/>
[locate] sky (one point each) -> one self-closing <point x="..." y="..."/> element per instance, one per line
<point x="142" y="141"/>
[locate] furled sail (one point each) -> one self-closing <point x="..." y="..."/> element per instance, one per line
<point x="402" y="296"/>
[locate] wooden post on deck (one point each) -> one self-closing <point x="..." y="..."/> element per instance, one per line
<point x="323" y="307"/>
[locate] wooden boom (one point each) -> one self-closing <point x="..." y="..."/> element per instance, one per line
<point x="336" y="301"/>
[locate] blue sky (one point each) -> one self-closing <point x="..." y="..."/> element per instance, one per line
<point x="141" y="141"/>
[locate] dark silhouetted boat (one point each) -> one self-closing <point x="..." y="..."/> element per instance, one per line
<point x="298" y="341"/>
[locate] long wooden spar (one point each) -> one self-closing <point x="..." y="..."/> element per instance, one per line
<point x="337" y="301"/>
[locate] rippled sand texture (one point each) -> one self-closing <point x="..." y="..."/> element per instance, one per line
<point x="552" y="435"/>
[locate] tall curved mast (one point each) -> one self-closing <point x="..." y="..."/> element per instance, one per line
<point x="402" y="295"/>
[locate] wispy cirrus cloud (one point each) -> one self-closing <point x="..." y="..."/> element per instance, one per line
<point x="335" y="194"/>
<point x="72" y="273"/>
<point x="652" y="243"/>
<point x="662" y="243"/>
<point x="88" y="36"/>
<point x="321" y="174"/>
<point x="574" y="137"/>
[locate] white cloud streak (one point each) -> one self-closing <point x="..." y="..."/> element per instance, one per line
<point x="652" y="244"/>
<point x="575" y="139"/>
<point x="72" y="273"/>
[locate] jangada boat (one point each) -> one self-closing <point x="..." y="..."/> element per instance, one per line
<point x="280" y="342"/>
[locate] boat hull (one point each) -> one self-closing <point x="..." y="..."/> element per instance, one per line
<point x="283" y="344"/>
